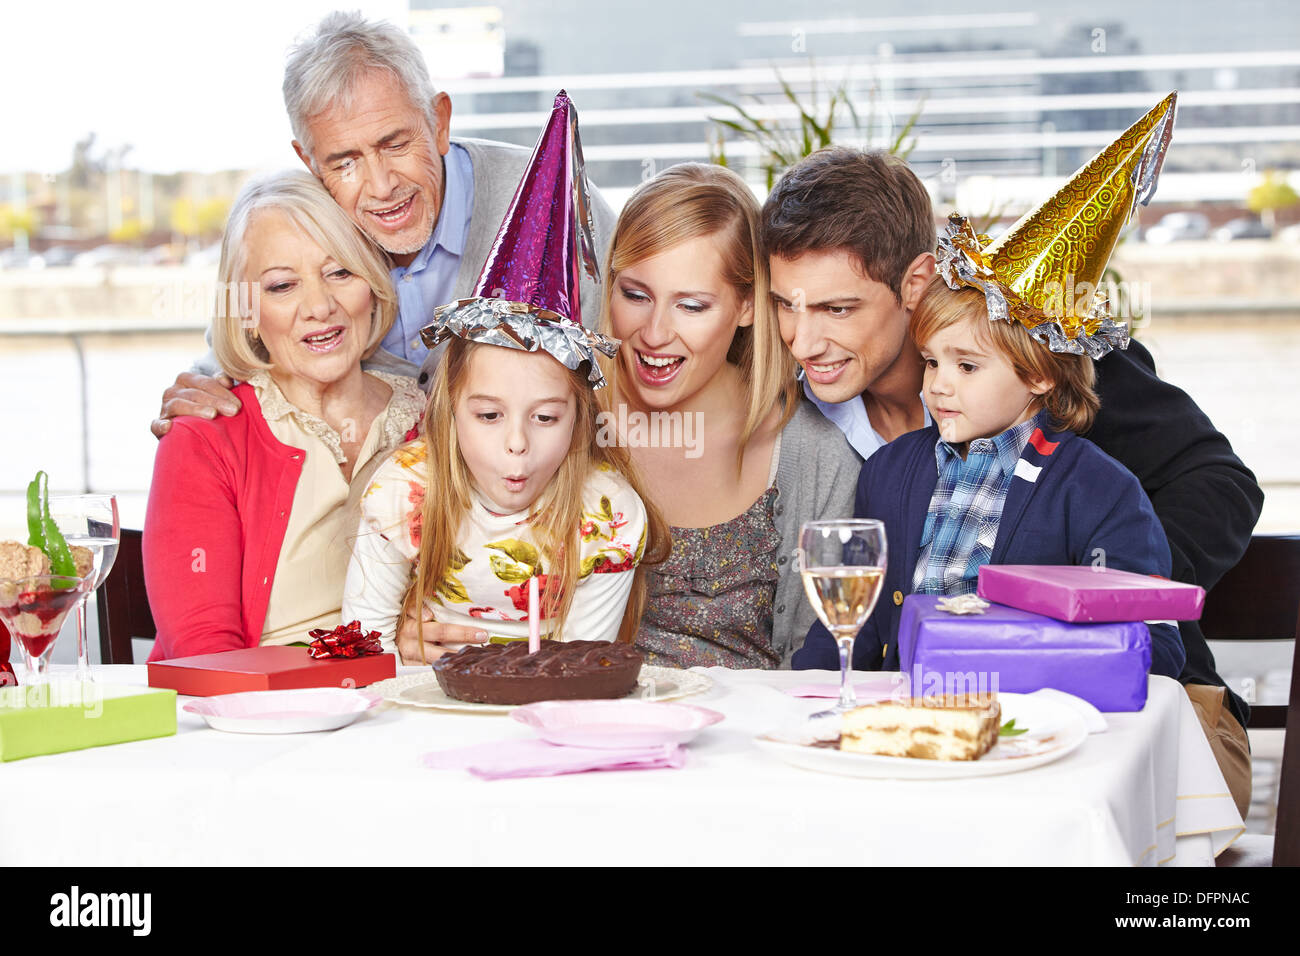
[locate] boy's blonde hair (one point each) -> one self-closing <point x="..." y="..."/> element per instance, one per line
<point x="685" y="202"/>
<point x="1071" y="401"/>
<point x="556" y="514"/>
<point x="300" y="198"/>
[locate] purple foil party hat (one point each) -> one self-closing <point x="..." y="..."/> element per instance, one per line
<point x="527" y="296"/>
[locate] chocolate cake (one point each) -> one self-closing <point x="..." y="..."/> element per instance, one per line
<point x="508" y="674"/>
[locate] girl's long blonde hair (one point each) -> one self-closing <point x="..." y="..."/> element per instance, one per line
<point x="556" y="515"/>
<point x="685" y="202"/>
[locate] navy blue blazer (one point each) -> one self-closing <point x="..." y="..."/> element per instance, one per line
<point x="1068" y="503"/>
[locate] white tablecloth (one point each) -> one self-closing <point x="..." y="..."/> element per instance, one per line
<point x="1145" y="792"/>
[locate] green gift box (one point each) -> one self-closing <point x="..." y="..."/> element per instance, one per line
<point x="53" y="718"/>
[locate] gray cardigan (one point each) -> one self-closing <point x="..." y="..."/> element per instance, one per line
<point x="816" y="479"/>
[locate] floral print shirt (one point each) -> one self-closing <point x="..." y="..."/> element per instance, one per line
<point x="487" y="587"/>
<point x="710" y="604"/>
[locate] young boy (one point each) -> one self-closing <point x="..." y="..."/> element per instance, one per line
<point x="1000" y="477"/>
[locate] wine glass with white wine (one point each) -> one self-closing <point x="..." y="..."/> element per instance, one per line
<point x="843" y="567"/>
<point x="92" y="522"/>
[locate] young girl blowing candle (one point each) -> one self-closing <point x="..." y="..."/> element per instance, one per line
<point x="520" y="489"/>
<point x="509" y="483"/>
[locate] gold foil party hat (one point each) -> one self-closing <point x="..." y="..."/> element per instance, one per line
<point x="1046" y="271"/>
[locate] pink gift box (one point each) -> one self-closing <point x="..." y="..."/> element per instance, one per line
<point x="1082" y="593"/>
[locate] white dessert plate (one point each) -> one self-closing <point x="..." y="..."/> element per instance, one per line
<point x="615" y="724"/>
<point x="307" y="710"/>
<point x="422" y="690"/>
<point x="1053" y="730"/>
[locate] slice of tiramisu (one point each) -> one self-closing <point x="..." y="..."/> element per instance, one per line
<point x="960" y="727"/>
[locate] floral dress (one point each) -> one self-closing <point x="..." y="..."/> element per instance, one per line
<point x="711" y="602"/>
<point x="487" y="586"/>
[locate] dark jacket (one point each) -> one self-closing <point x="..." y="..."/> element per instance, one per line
<point x="1072" y="504"/>
<point x="1206" y="499"/>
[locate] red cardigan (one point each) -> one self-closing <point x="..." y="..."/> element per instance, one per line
<point x="218" y="508"/>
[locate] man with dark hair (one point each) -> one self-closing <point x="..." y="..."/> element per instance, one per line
<point x="850" y="239"/>
<point x="850" y="236"/>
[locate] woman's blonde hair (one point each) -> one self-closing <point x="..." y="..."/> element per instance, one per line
<point x="301" y="199"/>
<point x="682" y="203"/>
<point x="556" y="515"/>
<point x="1071" y="401"/>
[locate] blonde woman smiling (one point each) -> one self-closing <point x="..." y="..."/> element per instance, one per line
<point x="686" y="291"/>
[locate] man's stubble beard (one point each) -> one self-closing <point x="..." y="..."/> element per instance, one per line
<point x="406" y="249"/>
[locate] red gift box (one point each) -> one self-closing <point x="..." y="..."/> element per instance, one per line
<point x="266" y="668"/>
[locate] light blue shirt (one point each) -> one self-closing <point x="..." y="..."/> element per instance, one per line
<point x="851" y="418"/>
<point x="430" y="279"/>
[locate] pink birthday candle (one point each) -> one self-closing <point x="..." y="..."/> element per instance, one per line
<point x="534" y="625"/>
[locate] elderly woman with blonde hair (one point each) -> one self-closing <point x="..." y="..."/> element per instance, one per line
<point x="247" y="535"/>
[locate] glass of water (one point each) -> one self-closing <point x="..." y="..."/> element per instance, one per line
<point x="90" y="521"/>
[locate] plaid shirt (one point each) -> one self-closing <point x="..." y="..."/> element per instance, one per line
<point x="965" y="509"/>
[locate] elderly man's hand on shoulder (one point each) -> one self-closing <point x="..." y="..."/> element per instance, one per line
<point x="193" y="393"/>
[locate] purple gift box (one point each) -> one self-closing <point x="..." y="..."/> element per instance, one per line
<point x="1081" y="593"/>
<point x="1013" y="651"/>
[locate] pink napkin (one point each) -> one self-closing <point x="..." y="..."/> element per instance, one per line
<point x="504" y="759"/>
<point x="867" y="693"/>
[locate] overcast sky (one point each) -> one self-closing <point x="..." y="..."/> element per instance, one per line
<point x="160" y="76"/>
<point x="196" y="85"/>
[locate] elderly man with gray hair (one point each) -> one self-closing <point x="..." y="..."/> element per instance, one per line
<point x="370" y="126"/>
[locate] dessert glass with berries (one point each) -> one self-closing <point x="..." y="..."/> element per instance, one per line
<point x="33" y="608"/>
<point x="41" y="581"/>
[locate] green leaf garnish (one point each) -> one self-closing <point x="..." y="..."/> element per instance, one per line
<point x="1009" y="729"/>
<point x="44" y="533"/>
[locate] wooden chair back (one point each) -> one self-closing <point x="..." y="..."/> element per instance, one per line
<point x="1259" y="599"/>
<point x="123" y="605"/>
<point x="1286" y="834"/>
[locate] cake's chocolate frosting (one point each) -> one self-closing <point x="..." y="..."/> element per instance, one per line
<point x="553" y="659"/>
<point x="508" y="674"/>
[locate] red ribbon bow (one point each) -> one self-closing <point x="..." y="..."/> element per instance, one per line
<point x="346" y="640"/>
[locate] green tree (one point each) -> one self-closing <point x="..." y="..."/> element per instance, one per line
<point x="130" y="231"/>
<point x="184" y="217"/>
<point x="1272" y="193"/>
<point x="211" y="215"/>
<point x="13" y="221"/>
